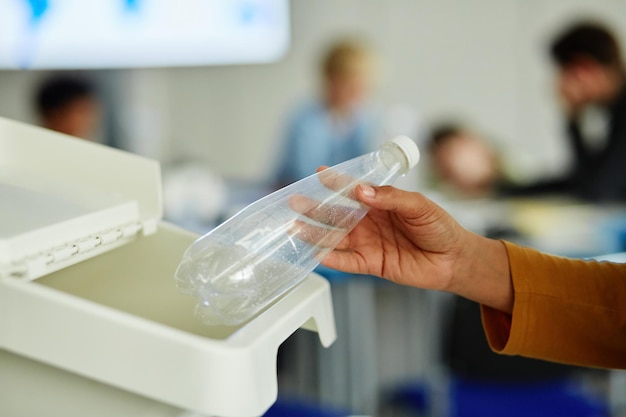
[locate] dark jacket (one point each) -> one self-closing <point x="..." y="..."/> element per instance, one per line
<point x="596" y="175"/>
<point x="601" y="175"/>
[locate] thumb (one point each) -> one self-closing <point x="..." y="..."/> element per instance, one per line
<point x="404" y="203"/>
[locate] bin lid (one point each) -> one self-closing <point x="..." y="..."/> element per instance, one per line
<point x="63" y="199"/>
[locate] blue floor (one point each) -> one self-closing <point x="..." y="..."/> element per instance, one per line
<point x="467" y="398"/>
<point x="299" y="408"/>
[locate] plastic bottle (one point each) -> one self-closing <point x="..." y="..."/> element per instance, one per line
<point x="247" y="262"/>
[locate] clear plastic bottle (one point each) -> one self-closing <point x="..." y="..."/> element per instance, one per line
<point x="247" y="262"/>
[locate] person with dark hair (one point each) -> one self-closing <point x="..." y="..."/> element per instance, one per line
<point x="68" y="105"/>
<point x="591" y="74"/>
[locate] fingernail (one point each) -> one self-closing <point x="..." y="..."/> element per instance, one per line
<point x="368" y="191"/>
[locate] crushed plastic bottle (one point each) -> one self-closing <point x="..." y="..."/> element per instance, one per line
<point x="247" y="262"/>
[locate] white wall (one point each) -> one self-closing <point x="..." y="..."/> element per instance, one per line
<point x="481" y="60"/>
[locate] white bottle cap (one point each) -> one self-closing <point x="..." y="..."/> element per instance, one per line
<point x="409" y="148"/>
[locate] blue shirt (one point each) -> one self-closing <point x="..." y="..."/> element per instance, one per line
<point x="315" y="137"/>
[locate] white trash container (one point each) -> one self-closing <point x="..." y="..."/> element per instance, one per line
<point x="87" y="282"/>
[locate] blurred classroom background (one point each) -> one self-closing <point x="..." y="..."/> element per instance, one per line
<point x="218" y="131"/>
<point x="483" y="61"/>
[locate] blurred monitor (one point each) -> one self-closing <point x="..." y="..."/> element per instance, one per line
<point x="81" y="34"/>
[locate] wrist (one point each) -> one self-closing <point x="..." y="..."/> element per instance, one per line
<point x="481" y="273"/>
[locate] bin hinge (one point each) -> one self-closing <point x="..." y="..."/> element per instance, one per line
<point x="37" y="265"/>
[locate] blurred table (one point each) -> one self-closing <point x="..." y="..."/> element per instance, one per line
<point x="553" y="225"/>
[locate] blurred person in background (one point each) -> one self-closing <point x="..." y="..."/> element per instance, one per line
<point x="464" y="164"/>
<point x="590" y="80"/>
<point x="337" y="125"/>
<point x="591" y="74"/>
<point x="70" y="105"/>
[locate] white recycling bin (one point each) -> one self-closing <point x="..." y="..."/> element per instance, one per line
<point x="87" y="282"/>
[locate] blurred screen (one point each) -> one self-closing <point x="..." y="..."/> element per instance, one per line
<point x="76" y="34"/>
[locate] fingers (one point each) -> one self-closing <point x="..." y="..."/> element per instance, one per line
<point x="304" y="205"/>
<point x="344" y="261"/>
<point x="338" y="182"/>
<point x="316" y="235"/>
<point x="334" y="215"/>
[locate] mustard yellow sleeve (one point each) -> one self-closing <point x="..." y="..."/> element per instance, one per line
<point x="565" y="310"/>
